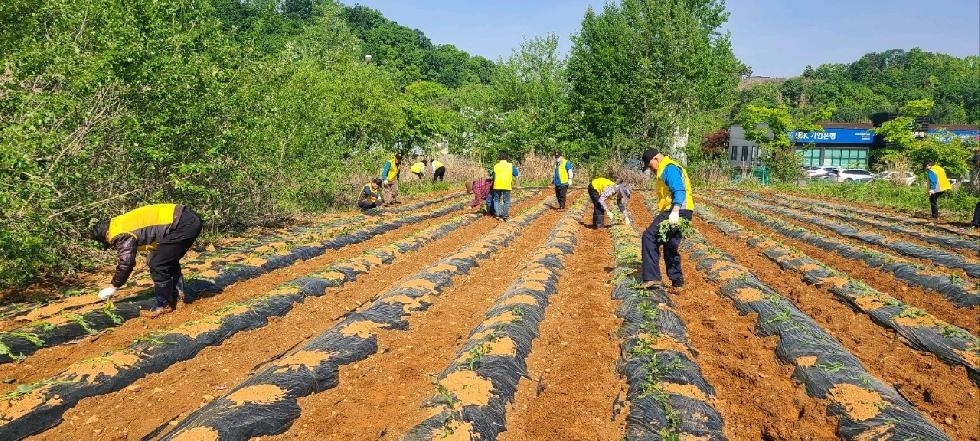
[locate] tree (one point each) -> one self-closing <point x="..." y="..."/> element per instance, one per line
<point x="642" y="70"/>
<point x="906" y="143"/>
<point x="774" y="129"/>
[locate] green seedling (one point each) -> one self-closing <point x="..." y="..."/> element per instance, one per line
<point x="5" y="351"/>
<point x="783" y="316"/>
<point x="831" y="367"/>
<point x="109" y="309"/>
<point x="685" y="226"/>
<point x="911" y="312"/>
<point x="955" y="280"/>
<point x="81" y="322"/>
<point x="518" y="314"/>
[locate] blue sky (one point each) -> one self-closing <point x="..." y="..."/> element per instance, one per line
<point x="774" y="37"/>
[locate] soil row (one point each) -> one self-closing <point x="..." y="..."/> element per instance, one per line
<point x="158" y="350"/>
<point x="16" y="345"/>
<point x="266" y="403"/>
<point x="148" y="405"/>
<point x="921" y="330"/>
<point x="953" y="288"/>
<point x="917" y="233"/>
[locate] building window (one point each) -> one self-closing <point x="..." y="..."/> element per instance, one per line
<point x="745" y="153"/>
<point x="734" y="155"/>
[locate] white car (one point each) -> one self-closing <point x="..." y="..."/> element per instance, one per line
<point x="852" y="174"/>
<point x="814" y="171"/>
<point x="904" y="178"/>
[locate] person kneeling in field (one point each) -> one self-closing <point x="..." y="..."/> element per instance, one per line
<point x="600" y="190"/>
<point x="480" y="189"/>
<point x="167" y="231"/>
<point x="370" y="196"/>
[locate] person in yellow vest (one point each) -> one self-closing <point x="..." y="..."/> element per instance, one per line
<point x="938" y="184"/>
<point x="676" y="201"/>
<point x="389" y="180"/>
<point x="370" y="195"/>
<point x="167" y="231"/>
<point x="564" y="172"/>
<point x="418" y="169"/>
<point x="600" y="190"/>
<point x="438" y="171"/>
<point x="503" y="182"/>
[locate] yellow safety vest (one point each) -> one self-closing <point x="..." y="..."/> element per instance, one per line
<point x="666" y="197"/>
<point x="392" y="170"/>
<point x="941" y="180"/>
<point x="417" y="167"/>
<point x="601" y="184"/>
<point x="562" y="172"/>
<point x="436" y="165"/>
<point x="503" y="176"/>
<point x="143" y="217"/>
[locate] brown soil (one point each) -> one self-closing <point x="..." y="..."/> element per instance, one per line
<point x="90" y="282"/>
<point x="574" y="387"/>
<point x="172" y="394"/>
<point x="931" y="301"/>
<point x="893" y="235"/>
<point x="887" y="211"/>
<point x="925" y="263"/>
<point x="942" y="392"/>
<point x="48" y="361"/>
<point x="398" y="379"/>
<point x="754" y="392"/>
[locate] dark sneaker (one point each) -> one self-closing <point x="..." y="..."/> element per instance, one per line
<point x="157" y="311"/>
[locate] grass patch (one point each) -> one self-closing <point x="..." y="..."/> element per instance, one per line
<point x="956" y="204"/>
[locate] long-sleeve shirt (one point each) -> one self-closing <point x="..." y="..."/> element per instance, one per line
<point x="481" y="189"/>
<point x="568" y="168"/>
<point x="675" y="182"/>
<point x="622" y="193"/>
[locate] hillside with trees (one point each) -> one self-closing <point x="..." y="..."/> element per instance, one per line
<point x="881" y="82"/>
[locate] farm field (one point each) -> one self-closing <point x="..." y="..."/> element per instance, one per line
<point x="801" y="319"/>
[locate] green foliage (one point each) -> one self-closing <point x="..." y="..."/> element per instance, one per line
<point x="641" y="70"/>
<point x="685" y="226"/>
<point x="905" y="144"/>
<point x="772" y="128"/>
<point x="955" y="204"/>
<point x="882" y="82"/>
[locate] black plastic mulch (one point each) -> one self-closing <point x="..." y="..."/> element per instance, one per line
<point x="948" y="342"/>
<point x="160" y="350"/>
<point x="511" y="317"/>
<point x="352" y="339"/>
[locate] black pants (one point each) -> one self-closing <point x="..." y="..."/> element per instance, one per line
<point x="164" y="262"/>
<point x="439" y="174"/>
<point x="561" y="194"/>
<point x="597" y="213"/>
<point x="650" y="250"/>
<point x="976" y="215"/>
<point x="934" y="203"/>
<point x="366" y="204"/>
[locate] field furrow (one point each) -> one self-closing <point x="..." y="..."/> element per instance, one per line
<point x="953" y="288"/>
<point x="92" y="318"/>
<point x="931" y="255"/>
<point x="939" y="390"/>
<point x="266" y="403"/>
<point x="156" y="351"/>
<point x="866" y="406"/>
<point x="919" y="234"/>
<point x="572" y="389"/>
<point x="217" y="368"/>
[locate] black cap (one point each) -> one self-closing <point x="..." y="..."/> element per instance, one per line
<point x="648" y="155"/>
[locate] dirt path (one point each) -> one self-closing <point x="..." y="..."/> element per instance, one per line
<point x="933" y="302"/>
<point x="940" y="391"/>
<point x="163" y="397"/>
<point x="394" y="382"/>
<point x="49" y="361"/>
<point x="755" y="393"/>
<point x="573" y="361"/>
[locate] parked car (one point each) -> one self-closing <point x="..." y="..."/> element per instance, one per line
<point x="828" y="173"/>
<point x="904" y="178"/>
<point x="813" y="172"/>
<point x="854" y="174"/>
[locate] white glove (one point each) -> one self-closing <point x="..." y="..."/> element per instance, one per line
<point x="609" y="215"/>
<point x="569" y="182"/>
<point x="107" y="292"/>
<point x="674" y="218"/>
<point x="627" y="220"/>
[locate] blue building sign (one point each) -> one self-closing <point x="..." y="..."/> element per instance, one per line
<point x="834" y="136"/>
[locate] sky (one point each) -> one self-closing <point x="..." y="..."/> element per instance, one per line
<point x="777" y="38"/>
